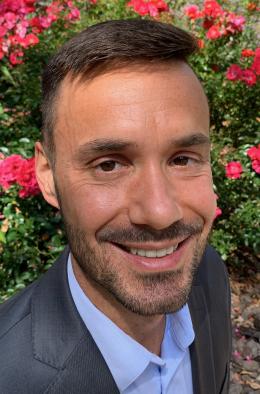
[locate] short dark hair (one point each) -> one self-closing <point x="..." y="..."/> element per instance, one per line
<point x="105" y="46"/>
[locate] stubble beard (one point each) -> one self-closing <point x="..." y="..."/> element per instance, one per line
<point x="141" y="293"/>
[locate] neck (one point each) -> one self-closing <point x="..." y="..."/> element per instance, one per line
<point x="147" y="330"/>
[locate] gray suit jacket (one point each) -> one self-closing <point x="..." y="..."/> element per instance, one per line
<point x="46" y="348"/>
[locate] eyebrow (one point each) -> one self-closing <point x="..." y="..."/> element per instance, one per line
<point x="191" y="140"/>
<point x="106" y="145"/>
<point x="102" y="145"/>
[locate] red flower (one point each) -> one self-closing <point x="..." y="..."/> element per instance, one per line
<point x="15" y="57"/>
<point x="16" y="169"/>
<point x="215" y="67"/>
<point x="234" y="170"/>
<point x="256" y="166"/>
<point x="152" y="8"/>
<point x="251" y="6"/>
<point x="27" y="179"/>
<point x="248" y="76"/>
<point x="212" y="9"/>
<point x="192" y="11"/>
<point x="3" y="31"/>
<point x="207" y="23"/>
<point x="213" y="33"/>
<point x="254" y="152"/>
<point x="201" y="43"/>
<point x="256" y="63"/>
<point x="234" y="72"/>
<point x="247" y="52"/>
<point x="139" y="7"/>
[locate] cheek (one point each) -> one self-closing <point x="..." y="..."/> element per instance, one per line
<point x="91" y="206"/>
<point x="199" y="197"/>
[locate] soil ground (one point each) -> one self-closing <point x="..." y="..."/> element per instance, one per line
<point x="245" y="365"/>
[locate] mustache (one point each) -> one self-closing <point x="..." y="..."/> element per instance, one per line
<point x="146" y="234"/>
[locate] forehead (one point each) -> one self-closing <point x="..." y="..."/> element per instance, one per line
<point x="133" y="102"/>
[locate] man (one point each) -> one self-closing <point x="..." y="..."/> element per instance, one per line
<point x="135" y="304"/>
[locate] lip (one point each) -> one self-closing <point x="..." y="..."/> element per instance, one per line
<point x="169" y="262"/>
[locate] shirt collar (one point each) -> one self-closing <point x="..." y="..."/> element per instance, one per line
<point x="117" y="347"/>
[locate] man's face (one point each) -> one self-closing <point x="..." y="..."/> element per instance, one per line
<point x="133" y="182"/>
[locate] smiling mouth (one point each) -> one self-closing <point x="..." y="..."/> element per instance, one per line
<point x="150" y="253"/>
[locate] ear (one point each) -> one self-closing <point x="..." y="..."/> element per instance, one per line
<point x="44" y="176"/>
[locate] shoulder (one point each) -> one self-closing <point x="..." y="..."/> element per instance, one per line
<point x="210" y="303"/>
<point x="20" y="370"/>
<point x="212" y="271"/>
<point x="212" y="277"/>
<point x="15" y="309"/>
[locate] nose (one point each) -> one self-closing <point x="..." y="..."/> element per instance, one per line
<point x="153" y="201"/>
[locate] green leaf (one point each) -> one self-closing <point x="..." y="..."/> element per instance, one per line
<point x="7" y="75"/>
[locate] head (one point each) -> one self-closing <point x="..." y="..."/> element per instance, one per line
<point x="125" y="156"/>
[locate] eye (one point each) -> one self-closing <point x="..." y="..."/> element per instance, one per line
<point x="182" y="160"/>
<point x="109" y="165"/>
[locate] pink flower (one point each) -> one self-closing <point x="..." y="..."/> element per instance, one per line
<point x="233" y="170"/>
<point x="213" y="33"/>
<point x="254" y="152"/>
<point x="9" y="168"/>
<point x="237" y="354"/>
<point x="74" y="14"/>
<point x="10" y="20"/>
<point x="234" y="73"/>
<point x="192" y="11"/>
<point x="218" y="212"/>
<point x="256" y="166"/>
<point x="21" y="28"/>
<point x="248" y="76"/>
<point x="247" y="52"/>
<point x="236" y="22"/>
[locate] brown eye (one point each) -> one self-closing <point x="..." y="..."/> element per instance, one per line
<point x="108" y="165"/>
<point x="181" y="160"/>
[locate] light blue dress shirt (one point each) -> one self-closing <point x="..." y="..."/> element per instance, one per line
<point x="135" y="369"/>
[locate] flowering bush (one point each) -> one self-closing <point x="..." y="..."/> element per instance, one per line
<point x="17" y="170"/>
<point x="21" y="21"/>
<point x="31" y="233"/>
<point x="249" y="74"/>
<point x="152" y="8"/>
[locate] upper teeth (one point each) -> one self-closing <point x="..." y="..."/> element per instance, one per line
<point x="153" y="252"/>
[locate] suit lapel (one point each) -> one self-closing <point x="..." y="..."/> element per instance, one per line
<point x="201" y="351"/>
<point x="61" y="340"/>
